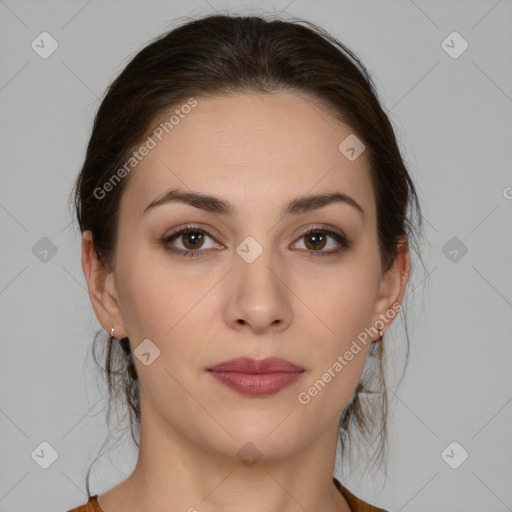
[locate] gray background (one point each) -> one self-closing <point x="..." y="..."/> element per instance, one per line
<point x="453" y="118"/>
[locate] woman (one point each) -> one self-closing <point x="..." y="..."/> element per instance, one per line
<point x="246" y="220"/>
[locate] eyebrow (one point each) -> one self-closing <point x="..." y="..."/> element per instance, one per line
<point x="217" y="205"/>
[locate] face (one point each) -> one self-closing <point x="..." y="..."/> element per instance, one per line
<point x="250" y="282"/>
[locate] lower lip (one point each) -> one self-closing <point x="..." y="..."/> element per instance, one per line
<point x="257" y="384"/>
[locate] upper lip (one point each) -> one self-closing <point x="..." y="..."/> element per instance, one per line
<point x="249" y="365"/>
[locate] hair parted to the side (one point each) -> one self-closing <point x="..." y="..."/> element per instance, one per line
<point x="232" y="54"/>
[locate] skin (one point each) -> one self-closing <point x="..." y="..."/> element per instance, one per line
<point x="258" y="152"/>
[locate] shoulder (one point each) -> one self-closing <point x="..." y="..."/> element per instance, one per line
<point x="91" y="506"/>
<point x="356" y="504"/>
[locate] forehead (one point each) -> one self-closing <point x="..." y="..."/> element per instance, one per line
<point x="272" y="146"/>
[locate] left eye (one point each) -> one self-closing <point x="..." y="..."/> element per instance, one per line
<point x="315" y="240"/>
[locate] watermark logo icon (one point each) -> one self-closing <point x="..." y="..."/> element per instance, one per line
<point x="351" y="147"/>
<point x="44" y="455"/>
<point x="454" y="45"/>
<point x="146" y="352"/>
<point x="44" y="45"/>
<point x="249" y="454"/>
<point x="454" y="249"/>
<point x="249" y="249"/>
<point x="454" y="455"/>
<point x="44" y="249"/>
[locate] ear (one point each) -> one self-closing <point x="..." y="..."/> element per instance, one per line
<point x="102" y="289"/>
<point x="392" y="286"/>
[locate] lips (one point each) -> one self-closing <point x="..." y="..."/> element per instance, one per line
<point x="248" y="365"/>
<point x="254" y="377"/>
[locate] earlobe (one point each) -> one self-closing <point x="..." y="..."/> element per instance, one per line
<point x="392" y="286"/>
<point x="101" y="287"/>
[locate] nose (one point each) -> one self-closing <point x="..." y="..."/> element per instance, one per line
<point x="258" y="295"/>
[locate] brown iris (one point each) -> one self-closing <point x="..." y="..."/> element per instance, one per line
<point x="318" y="240"/>
<point x="194" y="239"/>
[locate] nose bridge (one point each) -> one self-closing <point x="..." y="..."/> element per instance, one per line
<point x="258" y="295"/>
<point x="254" y="263"/>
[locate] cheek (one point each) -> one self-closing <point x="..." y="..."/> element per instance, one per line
<point x="343" y="305"/>
<point x="348" y="311"/>
<point x="171" y="307"/>
<point x="343" y="308"/>
<point x="339" y="357"/>
<point x="160" y="304"/>
<point x="154" y="295"/>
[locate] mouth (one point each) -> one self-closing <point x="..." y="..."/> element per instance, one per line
<point x="254" y="377"/>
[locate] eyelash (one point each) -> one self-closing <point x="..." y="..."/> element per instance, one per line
<point x="342" y="240"/>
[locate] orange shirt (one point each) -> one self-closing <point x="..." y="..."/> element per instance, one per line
<point x="355" y="504"/>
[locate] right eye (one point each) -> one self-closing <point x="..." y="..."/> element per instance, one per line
<point x="191" y="238"/>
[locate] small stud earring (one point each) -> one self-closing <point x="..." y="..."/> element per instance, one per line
<point x="112" y="332"/>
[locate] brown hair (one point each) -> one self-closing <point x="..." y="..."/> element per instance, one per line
<point x="224" y="54"/>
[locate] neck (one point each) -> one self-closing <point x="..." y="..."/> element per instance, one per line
<point x="175" y="472"/>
